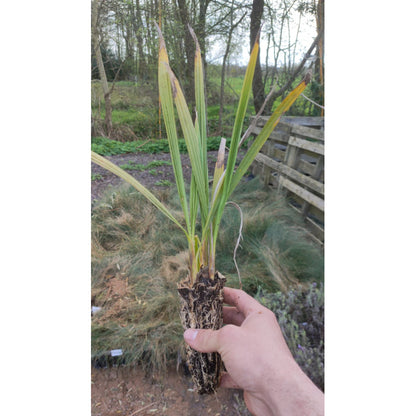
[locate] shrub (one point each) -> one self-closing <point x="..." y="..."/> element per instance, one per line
<point x="300" y="313"/>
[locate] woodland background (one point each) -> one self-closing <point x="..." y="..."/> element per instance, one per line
<point x="125" y="50"/>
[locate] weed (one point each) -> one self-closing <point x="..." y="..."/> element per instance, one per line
<point x="96" y="177"/>
<point x="133" y="166"/>
<point x="157" y="163"/>
<point x="163" y="182"/>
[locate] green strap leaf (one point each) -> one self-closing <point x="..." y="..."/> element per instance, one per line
<point x="170" y="124"/>
<point x="218" y="208"/>
<point x="111" y="167"/>
<point x="265" y="133"/>
<point x="192" y="144"/>
<point x="241" y="112"/>
<point x="201" y="112"/>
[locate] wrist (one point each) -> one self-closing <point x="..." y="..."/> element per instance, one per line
<point x="290" y="392"/>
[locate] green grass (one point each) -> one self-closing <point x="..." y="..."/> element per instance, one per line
<point x="164" y="182"/>
<point x="134" y="246"/>
<point x="107" y="147"/>
<point x="143" y="123"/>
<point x="138" y="166"/>
<point x="125" y="95"/>
<point x="136" y="106"/>
<point x="157" y="163"/>
<point x="133" y="166"/>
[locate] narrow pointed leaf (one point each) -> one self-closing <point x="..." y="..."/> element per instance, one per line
<point x="265" y="133"/>
<point x="170" y="124"/>
<point x="235" y="138"/>
<point x="200" y="103"/>
<point x="219" y="168"/>
<point x="241" y="112"/>
<point x="111" y="167"/>
<point x="192" y="144"/>
<point x="193" y="193"/>
<point x="193" y="204"/>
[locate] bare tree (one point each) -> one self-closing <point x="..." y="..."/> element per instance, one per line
<point x="320" y="28"/>
<point x="232" y="26"/>
<point x="189" y="49"/>
<point x="255" y="24"/>
<point x="293" y="76"/>
<point x="95" y="32"/>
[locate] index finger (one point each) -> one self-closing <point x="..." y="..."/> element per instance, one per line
<point x="241" y="300"/>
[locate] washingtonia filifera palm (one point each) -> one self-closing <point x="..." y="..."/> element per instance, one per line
<point x="201" y="292"/>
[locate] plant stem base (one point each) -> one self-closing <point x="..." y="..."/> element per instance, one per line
<point x="201" y="307"/>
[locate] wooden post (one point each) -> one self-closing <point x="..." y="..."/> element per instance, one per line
<point x="266" y="169"/>
<point x="316" y="175"/>
<point x="291" y="160"/>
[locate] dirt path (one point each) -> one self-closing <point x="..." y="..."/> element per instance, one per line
<point x="128" y="391"/>
<point x="151" y="178"/>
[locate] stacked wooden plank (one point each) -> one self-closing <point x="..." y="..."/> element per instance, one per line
<point x="292" y="160"/>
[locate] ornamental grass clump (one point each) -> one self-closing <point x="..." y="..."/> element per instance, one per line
<point x="201" y="292"/>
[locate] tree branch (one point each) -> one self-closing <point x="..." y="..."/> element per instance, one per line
<point x="296" y="72"/>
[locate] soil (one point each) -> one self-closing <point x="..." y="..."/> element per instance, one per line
<point x="129" y="391"/>
<point x="150" y="177"/>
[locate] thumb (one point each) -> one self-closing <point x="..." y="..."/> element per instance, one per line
<point x="202" y="340"/>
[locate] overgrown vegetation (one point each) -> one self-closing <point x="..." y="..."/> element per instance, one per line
<point x="136" y="266"/>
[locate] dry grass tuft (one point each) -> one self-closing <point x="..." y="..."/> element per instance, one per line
<point x="175" y="268"/>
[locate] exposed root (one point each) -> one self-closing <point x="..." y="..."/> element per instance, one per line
<point x="201" y="307"/>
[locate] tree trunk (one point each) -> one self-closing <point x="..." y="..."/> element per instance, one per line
<point x="224" y="63"/>
<point x="200" y="29"/>
<point x="101" y="70"/>
<point x="138" y="29"/>
<point x="255" y="23"/>
<point x="320" y="62"/>
<point x="189" y="52"/>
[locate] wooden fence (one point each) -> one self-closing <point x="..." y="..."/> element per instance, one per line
<point x="292" y="161"/>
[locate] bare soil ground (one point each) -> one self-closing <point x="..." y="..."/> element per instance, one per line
<point x="129" y="391"/>
<point x="148" y="178"/>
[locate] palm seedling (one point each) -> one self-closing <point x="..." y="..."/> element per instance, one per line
<point x="201" y="293"/>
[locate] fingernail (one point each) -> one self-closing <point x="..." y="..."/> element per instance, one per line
<point x="190" y="334"/>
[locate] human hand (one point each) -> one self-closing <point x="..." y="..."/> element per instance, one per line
<point x="258" y="359"/>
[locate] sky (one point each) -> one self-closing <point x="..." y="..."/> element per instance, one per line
<point x="307" y="34"/>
